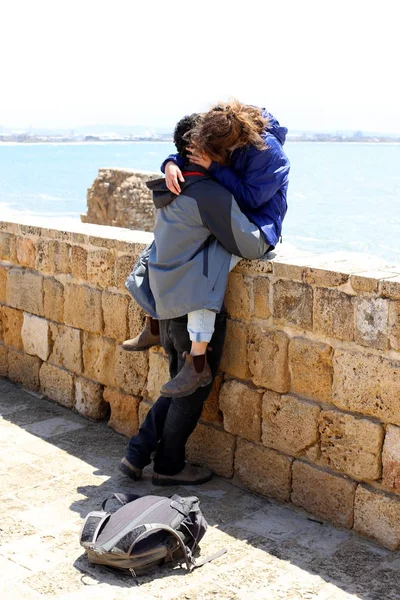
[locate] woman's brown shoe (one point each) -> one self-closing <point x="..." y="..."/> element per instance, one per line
<point x="150" y="336"/>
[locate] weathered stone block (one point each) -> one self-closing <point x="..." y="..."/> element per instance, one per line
<point x="3" y="283"/>
<point x="237" y="297"/>
<point x="234" y="357"/>
<point x="3" y="360"/>
<point x="377" y="516"/>
<point x="11" y="321"/>
<point x="43" y="260"/>
<point x="324" y="277"/>
<point x="82" y="308"/>
<point x="391" y="459"/>
<point x="241" y="406"/>
<point x="7" y="246"/>
<point x="26" y="253"/>
<point x="323" y="494"/>
<point x="79" y="263"/>
<point x="288" y="271"/>
<point x="367" y="384"/>
<point x="390" y="288"/>
<point x="124" y="265"/>
<point x="89" y="399"/>
<point x="289" y="424"/>
<point x="57" y="384"/>
<point x="292" y="303"/>
<point x="124" y="411"/>
<point x="368" y="281"/>
<point x="136" y="317"/>
<point x="115" y="313"/>
<point x="394" y="325"/>
<point x="23" y="369"/>
<point x="100" y="267"/>
<point x="59" y="254"/>
<point x="25" y="290"/>
<point x="268" y="359"/>
<point x="99" y="358"/>
<point x="261" y="297"/>
<point x="131" y="370"/>
<point x="35" y="336"/>
<point x="158" y="375"/>
<point x="333" y="314"/>
<point x="372" y="322"/>
<point x="311" y="368"/>
<point x="211" y="411"/>
<point x="66" y="348"/>
<point x="212" y="447"/>
<point x="53" y="299"/>
<point x="262" y="470"/>
<point x="351" y="445"/>
<point x="144" y="408"/>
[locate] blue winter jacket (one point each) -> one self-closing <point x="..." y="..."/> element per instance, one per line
<point x="258" y="179"/>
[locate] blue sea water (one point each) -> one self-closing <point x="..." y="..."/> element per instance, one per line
<point x="342" y="196"/>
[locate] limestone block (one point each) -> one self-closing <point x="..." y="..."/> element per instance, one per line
<point x="268" y="359"/>
<point x="234" y="357"/>
<point x="351" y="445"/>
<point x="57" y="384"/>
<point x="212" y="447"/>
<point x="66" y="351"/>
<point x="23" y="369"/>
<point x="372" y="322"/>
<point x="241" y="407"/>
<point x="25" y="290"/>
<point x="60" y="256"/>
<point x="35" y="336"/>
<point x="99" y="358"/>
<point x="261" y="297"/>
<point x="263" y="471"/>
<point x="391" y="459"/>
<point x="53" y="299"/>
<point x="289" y="424"/>
<point x="237" y="297"/>
<point x="3" y="360"/>
<point x="82" y="308"/>
<point x="100" y="267"/>
<point x="211" y="411"/>
<point x="284" y="270"/>
<point x="390" y="288"/>
<point x="124" y="411"/>
<point x="89" y="399"/>
<point x="323" y="494"/>
<point x="26" y="253"/>
<point x="368" y="281"/>
<point x="367" y="384"/>
<point x="394" y="325"/>
<point x="292" y="303"/>
<point x="3" y="283"/>
<point x="7" y="246"/>
<point x="333" y="314"/>
<point x="158" y="375"/>
<point x="131" y="370"/>
<point x="124" y="265"/>
<point x="311" y="368"/>
<point x="324" y="277"/>
<point x="377" y="516"/>
<point x="136" y="317"/>
<point x="79" y="263"/>
<point x="43" y="258"/>
<point x="11" y="321"/>
<point x="144" y="408"/>
<point x="115" y="313"/>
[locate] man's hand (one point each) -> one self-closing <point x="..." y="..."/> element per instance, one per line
<point x="172" y="174"/>
<point x="197" y="158"/>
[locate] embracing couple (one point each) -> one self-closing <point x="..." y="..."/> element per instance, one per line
<point x="223" y="199"/>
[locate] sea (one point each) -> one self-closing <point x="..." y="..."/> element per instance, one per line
<point x="342" y="196"/>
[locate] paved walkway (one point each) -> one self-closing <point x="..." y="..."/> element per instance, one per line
<point x="56" y="466"/>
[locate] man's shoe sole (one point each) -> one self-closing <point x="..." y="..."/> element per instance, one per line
<point x="190" y="392"/>
<point x="129" y="473"/>
<point x="170" y="482"/>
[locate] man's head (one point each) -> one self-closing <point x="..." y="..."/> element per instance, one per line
<point x="182" y="133"/>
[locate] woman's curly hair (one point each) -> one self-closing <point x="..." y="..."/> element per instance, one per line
<point x="226" y="126"/>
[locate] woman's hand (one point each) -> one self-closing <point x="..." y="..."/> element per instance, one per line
<point x="196" y="158"/>
<point x="172" y="175"/>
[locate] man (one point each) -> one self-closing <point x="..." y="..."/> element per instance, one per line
<point x="186" y="267"/>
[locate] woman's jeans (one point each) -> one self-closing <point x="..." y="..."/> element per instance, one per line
<point x="201" y="322"/>
<point x="170" y="421"/>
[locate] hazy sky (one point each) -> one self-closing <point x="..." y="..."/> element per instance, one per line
<point x="316" y="64"/>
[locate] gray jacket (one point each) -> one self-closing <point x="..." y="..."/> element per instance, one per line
<point x="187" y="265"/>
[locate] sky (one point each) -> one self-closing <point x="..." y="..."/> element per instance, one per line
<point x="317" y="65"/>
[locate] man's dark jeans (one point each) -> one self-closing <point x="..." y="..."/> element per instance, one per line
<point x="170" y="421"/>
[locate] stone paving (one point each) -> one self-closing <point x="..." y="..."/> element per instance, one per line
<point x="57" y="466"/>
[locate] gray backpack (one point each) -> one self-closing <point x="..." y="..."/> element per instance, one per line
<point x="145" y="532"/>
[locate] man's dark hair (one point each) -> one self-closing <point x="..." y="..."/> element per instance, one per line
<point x="181" y="133"/>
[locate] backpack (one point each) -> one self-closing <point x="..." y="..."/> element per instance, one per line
<point x="146" y="531"/>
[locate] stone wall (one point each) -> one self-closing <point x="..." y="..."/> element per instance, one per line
<point x="120" y="197"/>
<point x="307" y="405"/>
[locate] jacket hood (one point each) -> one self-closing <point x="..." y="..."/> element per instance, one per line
<point x="161" y="194"/>
<point x="274" y="128"/>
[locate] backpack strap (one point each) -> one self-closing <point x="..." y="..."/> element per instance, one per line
<point x="122" y="499"/>
<point x="162" y="527"/>
<point x="207" y="559"/>
<point x="92" y="526"/>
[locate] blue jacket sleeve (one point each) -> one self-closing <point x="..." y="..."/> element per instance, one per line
<point x="176" y="158"/>
<point x="267" y="170"/>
